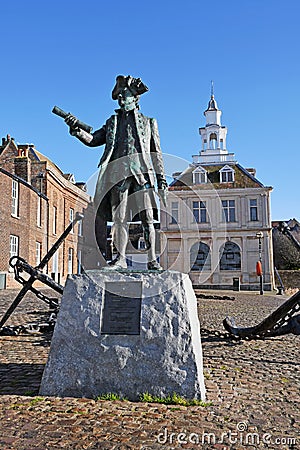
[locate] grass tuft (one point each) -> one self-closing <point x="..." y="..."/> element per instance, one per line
<point x="173" y="399"/>
<point x="36" y="400"/>
<point x="110" y="396"/>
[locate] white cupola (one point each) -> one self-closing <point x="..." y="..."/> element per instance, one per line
<point x="213" y="137"/>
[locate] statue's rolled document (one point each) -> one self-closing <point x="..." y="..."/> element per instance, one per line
<point x="61" y="113"/>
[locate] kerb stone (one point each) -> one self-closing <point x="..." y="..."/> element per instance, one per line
<point x="127" y="333"/>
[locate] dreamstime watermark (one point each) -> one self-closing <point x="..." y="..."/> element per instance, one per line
<point x="241" y="435"/>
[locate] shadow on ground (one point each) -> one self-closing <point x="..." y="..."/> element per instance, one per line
<point x="20" y="379"/>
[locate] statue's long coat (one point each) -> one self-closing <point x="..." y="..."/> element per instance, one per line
<point x="149" y="160"/>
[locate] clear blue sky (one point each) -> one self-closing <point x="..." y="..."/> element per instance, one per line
<point x="68" y="53"/>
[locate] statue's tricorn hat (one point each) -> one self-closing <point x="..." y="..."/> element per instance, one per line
<point x="135" y="85"/>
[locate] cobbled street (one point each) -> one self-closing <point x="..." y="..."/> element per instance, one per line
<point x="252" y="391"/>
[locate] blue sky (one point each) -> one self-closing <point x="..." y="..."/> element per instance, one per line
<point x="68" y="53"/>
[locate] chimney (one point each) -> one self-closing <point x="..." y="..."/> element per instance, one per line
<point x="252" y="171"/>
<point x="6" y="140"/>
<point x="23" y="163"/>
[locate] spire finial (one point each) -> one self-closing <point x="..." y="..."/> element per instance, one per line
<point x="212" y="88"/>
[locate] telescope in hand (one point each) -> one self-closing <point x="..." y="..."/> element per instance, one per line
<point x="83" y="126"/>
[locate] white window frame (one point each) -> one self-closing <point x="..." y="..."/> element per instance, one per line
<point x="71" y="216"/>
<point x="70" y="260"/>
<point x="199" y="176"/>
<point x="253" y="208"/>
<point x="174" y="212"/>
<point x="15" y="198"/>
<point x="55" y="262"/>
<point x="80" y="228"/>
<point x="39" y="212"/>
<point x="54" y="220"/>
<point x="202" y="211"/>
<point x="229" y="210"/>
<point x="227" y="174"/>
<point x="38" y="252"/>
<point x="13" y="245"/>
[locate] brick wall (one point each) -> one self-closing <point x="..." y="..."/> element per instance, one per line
<point x="8" y="153"/>
<point x="23" y="225"/>
<point x="40" y="184"/>
<point x="290" y="278"/>
<point x="63" y="199"/>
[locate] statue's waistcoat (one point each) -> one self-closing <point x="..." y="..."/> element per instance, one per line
<point x="149" y="145"/>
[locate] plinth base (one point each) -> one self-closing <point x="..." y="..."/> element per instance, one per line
<point x="128" y="334"/>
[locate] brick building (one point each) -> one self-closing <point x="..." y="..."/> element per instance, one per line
<point x="37" y="203"/>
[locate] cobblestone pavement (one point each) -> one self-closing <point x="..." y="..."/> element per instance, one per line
<point x="253" y="387"/>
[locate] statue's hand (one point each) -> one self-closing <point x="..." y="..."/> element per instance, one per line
<point x="162" y="188"/>
<point x="71" y="121"/>
<point x="163" y="195"/>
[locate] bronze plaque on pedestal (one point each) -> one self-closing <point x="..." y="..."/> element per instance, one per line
<point x="121" y="312"/>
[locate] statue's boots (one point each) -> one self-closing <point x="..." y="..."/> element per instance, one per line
<point x="154" y="265"/>
<point x="117" y="264"/>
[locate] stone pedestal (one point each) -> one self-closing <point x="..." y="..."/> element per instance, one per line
<point x="127" y="333"/>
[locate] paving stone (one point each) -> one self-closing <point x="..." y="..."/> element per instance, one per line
<point x="250" y="383"/>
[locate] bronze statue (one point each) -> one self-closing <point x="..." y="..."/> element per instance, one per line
<point x="126" y="178"/>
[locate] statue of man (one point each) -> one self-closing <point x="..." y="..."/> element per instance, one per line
<point x="125" y="186"/>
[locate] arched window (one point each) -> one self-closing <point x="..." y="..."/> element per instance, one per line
<point x="230" y="256"/>
<point x="200" y="257"/>
<point x="213" y="141"/>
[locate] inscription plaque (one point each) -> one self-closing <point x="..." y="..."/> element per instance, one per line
<point x="121" y="311"/>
